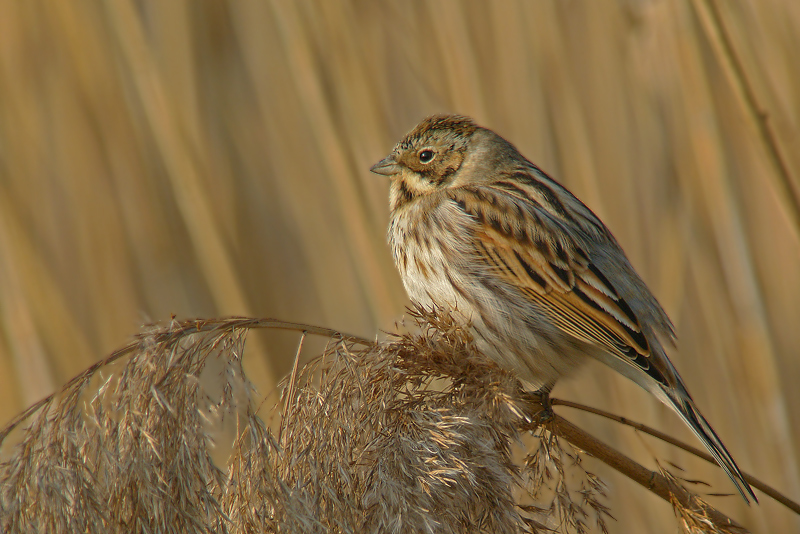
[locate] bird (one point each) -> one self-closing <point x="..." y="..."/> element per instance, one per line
<point x="539" y="280"/>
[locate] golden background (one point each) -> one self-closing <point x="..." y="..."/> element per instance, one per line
<point x="209" y="158"/>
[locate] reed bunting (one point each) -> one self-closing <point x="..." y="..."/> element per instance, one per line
<point x="479" y="230"/>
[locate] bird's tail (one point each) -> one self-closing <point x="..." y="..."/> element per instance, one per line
<point x="683" y="404"/>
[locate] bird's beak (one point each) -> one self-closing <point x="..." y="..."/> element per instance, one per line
<point x="387" y="166"/>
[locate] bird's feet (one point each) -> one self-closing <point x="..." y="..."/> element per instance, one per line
<point x="546" y="414"/>
<point x="540" y="406"/>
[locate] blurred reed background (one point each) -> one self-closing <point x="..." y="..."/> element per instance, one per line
<point x="211" y="158"/>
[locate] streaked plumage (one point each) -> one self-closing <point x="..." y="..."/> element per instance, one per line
<point x="478" y="229"/>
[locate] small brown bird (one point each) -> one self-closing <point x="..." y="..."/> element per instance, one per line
<point x="479" y="230"/>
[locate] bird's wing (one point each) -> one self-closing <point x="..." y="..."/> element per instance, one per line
<point x="523" y="246"/>
<point x="521" y="242"/>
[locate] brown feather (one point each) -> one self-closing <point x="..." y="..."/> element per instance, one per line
<point x="555" y="271"/>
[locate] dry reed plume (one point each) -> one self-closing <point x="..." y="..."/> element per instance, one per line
<point x="417" y="434"/>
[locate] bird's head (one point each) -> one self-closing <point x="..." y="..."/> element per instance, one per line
<point x="442" y="151"/>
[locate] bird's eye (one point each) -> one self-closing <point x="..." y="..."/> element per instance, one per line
<point x="426" y="155"/>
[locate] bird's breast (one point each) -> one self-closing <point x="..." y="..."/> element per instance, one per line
<point x="427" y="254"/>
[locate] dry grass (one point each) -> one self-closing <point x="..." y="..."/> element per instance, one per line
<point x="695" y="518"/>
<point x="210" y="159"/>
<point x="418" y="434"/>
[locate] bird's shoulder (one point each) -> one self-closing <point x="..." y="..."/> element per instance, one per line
<point x="529" y="219"/>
